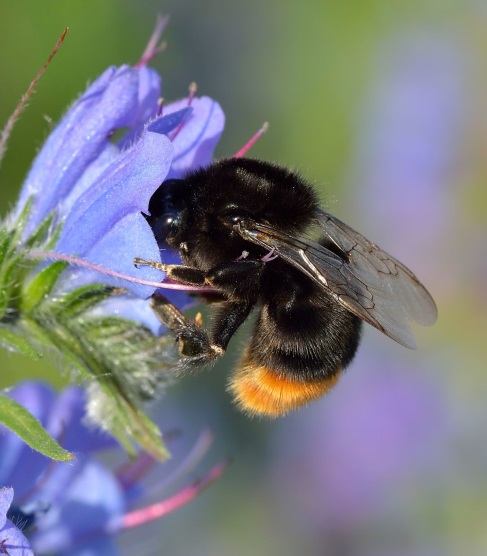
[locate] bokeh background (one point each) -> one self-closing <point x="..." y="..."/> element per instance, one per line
<point x="383" y="105"/>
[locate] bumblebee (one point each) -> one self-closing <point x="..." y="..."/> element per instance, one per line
<point x="254" y="232"/>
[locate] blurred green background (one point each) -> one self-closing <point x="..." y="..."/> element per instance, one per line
<point x="384" y="105"/>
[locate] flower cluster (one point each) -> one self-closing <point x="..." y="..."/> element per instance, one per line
<point x="83" y="200"/>
<point x="83" y="203"/>
<point x="77" y="507"/>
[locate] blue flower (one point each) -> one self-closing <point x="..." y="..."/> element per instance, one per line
<point x="98" y="187"/>
<point x="408" y="143"/>
<point x="12" y="540"/>
<point x="384" y="429"/>
<point x="95" y="188"/>
<point x="83" y="203"/>
<point x="77" y="507"/>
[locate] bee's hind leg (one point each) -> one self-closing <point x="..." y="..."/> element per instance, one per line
<point x="194" y="342"/>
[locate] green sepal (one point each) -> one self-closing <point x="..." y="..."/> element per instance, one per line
<point x="128" y="423"/>
<point x="82" y="299"/>
<point x="16" y="418"/>
<point x="45" y="231"/>
<point x="121" y="360"/>
<point x="12" y="275"/>
<point x="12" y="341"/>
<point x="40" y="286"/>
<point x="22" y="220"/>
<point x="5" y="242"/>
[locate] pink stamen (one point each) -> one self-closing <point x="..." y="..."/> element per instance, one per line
<point x="136" y="469"/>
<point x="160" y="107"/>
<point x="153" y="49"/>
<point x="7" y="130"/>
<point x="165" y="507"/>
<point x="192" y="91"/>
<point x="50" y="255"/>
<point x="250" y="143"/>
<point x="197" y="453"/>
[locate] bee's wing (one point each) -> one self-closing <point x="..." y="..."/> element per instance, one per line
<point x="367" y="281"/>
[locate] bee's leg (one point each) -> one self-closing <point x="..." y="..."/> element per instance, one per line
<point x="195" y="344"/>
<point x="238" y="280"/>
<point x="229" y="316"/>
<point x="194" y="341"/>
<point x="176" y="272"/>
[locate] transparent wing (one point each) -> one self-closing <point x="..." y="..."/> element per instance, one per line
<point x="366" y="280"/>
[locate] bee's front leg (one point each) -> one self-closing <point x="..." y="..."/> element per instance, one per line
<point x="176" y="272"/>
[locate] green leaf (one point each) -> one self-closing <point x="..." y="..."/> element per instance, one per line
<point x="29" y="429"/>
<point x="40" y="286"/>
<point x="16" y="342"/>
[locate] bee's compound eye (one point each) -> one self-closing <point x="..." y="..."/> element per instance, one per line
<point x="164" y="225"/>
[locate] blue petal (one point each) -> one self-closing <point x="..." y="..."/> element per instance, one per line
<point x="106" y="158"/>
<point x="62" y="416"/>
<point x="6" y="497"/>
<point x="195" y="142"/>
<point x="149" y="94"/>
<point x="13" y="541"/>
<point x="66" y="423"/>
<point x="169" y="122"/>
<point x="105" y="225"/>
<point x="111" y="102"/>
<point x="92" y="500"/>
<point x="130" y="237"/>
<point x="163" y="125"/>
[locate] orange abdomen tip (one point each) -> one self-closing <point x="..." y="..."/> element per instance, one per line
<point x="261" y="391"/>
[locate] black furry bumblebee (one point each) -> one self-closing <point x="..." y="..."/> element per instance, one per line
<point x="254" y="231"/>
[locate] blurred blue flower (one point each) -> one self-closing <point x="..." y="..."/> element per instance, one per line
<point x="75" y="508"/>
<point x="12" y="540"/>
<point x="353" y="456"/>
<point x="410" y="144"/>
<point x="365" y="466"/>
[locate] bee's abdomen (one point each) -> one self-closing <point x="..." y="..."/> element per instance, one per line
<point x="296" y="354"/>
<point x="259" y="390"/>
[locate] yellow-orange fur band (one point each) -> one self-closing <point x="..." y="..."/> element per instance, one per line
<point x="262" y="391"/>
